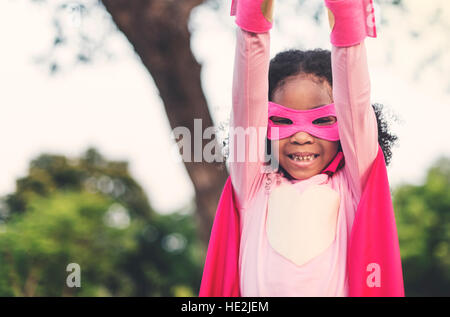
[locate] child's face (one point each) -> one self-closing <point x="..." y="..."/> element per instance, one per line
<point x="304" y="92"/>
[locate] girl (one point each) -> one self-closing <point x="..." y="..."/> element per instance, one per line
<point x="321" y="223"/>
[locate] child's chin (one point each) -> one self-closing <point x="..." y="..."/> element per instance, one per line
<point x="300" y="175"/>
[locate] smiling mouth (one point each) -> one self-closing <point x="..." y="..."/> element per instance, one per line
<point x="303" y="156"/>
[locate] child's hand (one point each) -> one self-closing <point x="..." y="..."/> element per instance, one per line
<point x="330" y="19"/>
<point x="267" y="9"/>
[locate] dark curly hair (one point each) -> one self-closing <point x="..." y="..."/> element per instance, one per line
<point x="317" y="62"/>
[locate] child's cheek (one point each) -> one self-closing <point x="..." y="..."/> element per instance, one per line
<point x="330" y="149"/>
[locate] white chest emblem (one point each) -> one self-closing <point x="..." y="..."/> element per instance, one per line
<point x="300" y="226"/>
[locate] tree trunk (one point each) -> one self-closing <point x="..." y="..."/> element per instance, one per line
<point x="158" y="31"/>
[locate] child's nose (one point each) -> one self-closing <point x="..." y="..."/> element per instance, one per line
<point x="302" y="138"/>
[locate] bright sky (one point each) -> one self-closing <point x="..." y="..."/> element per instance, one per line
<point x="114" y="105"/>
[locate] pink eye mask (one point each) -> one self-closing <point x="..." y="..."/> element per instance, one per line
<point x="302" y="120"/>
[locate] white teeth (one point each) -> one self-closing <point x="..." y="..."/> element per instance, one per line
<point x="303" y="158"/>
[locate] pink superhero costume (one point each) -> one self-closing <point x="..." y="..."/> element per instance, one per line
<point x="323" y="236"/>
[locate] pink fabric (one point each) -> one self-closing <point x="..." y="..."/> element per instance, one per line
<point x="221" y="270"/>
<point x="261" y="270"/>
<point x="220" y="273"/>
<point x="354" y="20"/>
<point x="302" y="120"/>
<point x="267" y="273"/>
<point x="249" y="15"/>
<point x="374" y="239"/>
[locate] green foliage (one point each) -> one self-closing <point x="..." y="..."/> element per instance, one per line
<point x="51" y="173"/>
<point x="171" y="257"/>
<point x="423" y="221"/>
<point x="90" y="211"/>
<point x="55" y="231"/>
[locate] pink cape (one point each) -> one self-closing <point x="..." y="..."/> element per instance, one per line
<point x="373" y="253"/>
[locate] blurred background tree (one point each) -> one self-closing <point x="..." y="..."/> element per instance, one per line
<point x="423" y="221"/>
<point x="90" y="211"/>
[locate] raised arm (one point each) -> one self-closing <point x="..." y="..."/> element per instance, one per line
<point x="248" y="124"/>
<point x="357" y="122"/>
<point x="351" y="86"/>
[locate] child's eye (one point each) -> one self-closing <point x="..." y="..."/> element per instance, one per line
<point x="280" y="120"/>
<point x="325" y="120"/>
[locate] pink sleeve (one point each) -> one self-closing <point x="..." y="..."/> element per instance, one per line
<point x="357" y="122"/>
<point x="249" y="112"/>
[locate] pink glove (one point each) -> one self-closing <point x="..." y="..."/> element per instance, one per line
<point x="253" y="15"/>
<point x="351" y="21"/>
